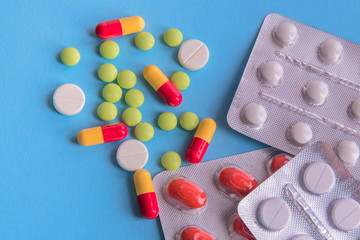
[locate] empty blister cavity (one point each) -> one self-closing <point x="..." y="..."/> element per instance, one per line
<point x="315" y="92"/>
<point x="330" y="51"/>
<point x="319" y="178"/>
<point x="285" y="33"/>
<point x="345" y="214"/>
<point x="193" y="233"/>
<point x="237" y="229"/>
<point x="276" y="162"/>
<point x="274" y="214"/>
<point x="254" y="115"/>
<point x="302" y="237"/>
<point x="348" y="152"/>
<point x="355" y="109"/>
<point x="270" y="73"/>
<point x="300" y="134"/>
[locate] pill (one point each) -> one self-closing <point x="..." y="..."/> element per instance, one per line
<point x="144" y="41"/>
<point x="200" y="141"/>
<point x="278" y="161"/>
<point x="303" y="237"/>
<point x="107" y="72"/>
<point x="107" y="111"/>
<point x="132" y="155"/>
<point x="193" y="55"/>
<point x="186" y="193"/>
<point x="145" y="194"/>
<point x="180" y="80"/>
<point x="189" y="121"/>
<point x="319" y="178"/>
<point x="131" y="116"/>
<point x="134" y="98"/>
<point x="345" y="214"/>
<point x="119" y="27"/>
<point x="102" y="134"/>
<point x="126" y="79"/>
<point x="109" y="49"/>
<point x="274" y="214"/>
<point x="171" y="161"/>
<point x="355" y="109"/>
<point x="144" y="131"/>
<point x="237" y="181"/>
<point x="316" y="92"/>
<point x="70" y="56"/>
<point x="162" y="85"/>
<point x="241" y="229"/>
<point x="167" y="121"/>
<point x="255" y="114"/>
<point x="330" y="51"/>
<point x="195" y="233"/>
<point x="300" y="134"/>
<point x="285" y="33"/>
<point x="112" y="92"/>
<point x="173" y="37"/>
<point x="348" y="152"/>
<point x="270" y="73"/>
<point x="69" y="99"/>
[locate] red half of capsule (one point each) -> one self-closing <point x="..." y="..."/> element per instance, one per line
<point x="195" y="233"/>
<point x="196" y="150"/>
<point x="148" y="205"/>
<point x="114" y="132"/>
<point x="278" y="161"/>
<point x="170" y="94"/>
<point x="109" y="29"/>
<point x="241" y="229"/>
<point x="237" y="181"/>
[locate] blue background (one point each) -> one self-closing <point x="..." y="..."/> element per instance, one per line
<point x="53" y="188"/>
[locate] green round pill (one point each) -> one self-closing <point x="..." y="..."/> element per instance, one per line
<point x="107" y="111"/>
<point x="126" y="79"/>
<point x="131" y="116"/>
<point x="112" y="92"/>
<point x="144" y="131"/>
<point x="109" y="49"/>
<point x="134" y="98"/>
<point x="173" y="37"/>
<point x="189" y="121"/>
<point x="171" y="161"/>
<point x="107" y="72"/>
<point x="181" y="80"/>
<point x="167" y="121"/>
<point x="70" y="56"/>
<point x="144" y="41"/>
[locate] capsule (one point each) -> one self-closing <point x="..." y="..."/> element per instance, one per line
<point x="120" y="27"/>
<point x="102" y="134"/>
<point x="200" y="141"/>
<point x="162" y="85"/>
<point x="195" y="233"/>
<point x="240" y="229"/>
<point x="278" y="161"/>
<point x="145" y="194"/>
<point x="237" y="181"/>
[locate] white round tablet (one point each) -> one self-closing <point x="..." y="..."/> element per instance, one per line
<point x="270" y="73"/>
<point x="330" y="51"/>
<point x="345" y="214"/>
<point x="69" y="99"/>
<point x="274" y="214"/>
<point x="300" y="134"/>
<point x="193" y="54"/>
<point x="132" y="155"/>
<point x="316" y="92"/>
<point x="285" y="33"/>
<point x="355" y="109"/>
<point x="319" y="178"/>
<point x="303" y="237"/>
<point x="348" y="152"/>
<point x="255" y="114"/>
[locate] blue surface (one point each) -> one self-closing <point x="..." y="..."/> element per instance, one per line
<point x="53" y="188"/>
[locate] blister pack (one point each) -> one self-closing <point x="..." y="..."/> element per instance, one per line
<point x="202" y="199"/>
<point x="314" y="196"/>
<point x="300" y="85"/>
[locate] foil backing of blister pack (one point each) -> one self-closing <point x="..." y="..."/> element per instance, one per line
<point x="285" y="103"/>
<point x="310" y="212"/>
<point x="214" y="219"/>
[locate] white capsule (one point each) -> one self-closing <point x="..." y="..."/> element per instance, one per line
<point x="69" y="99"/>
<point x="300" y="134"/>
<point x="330" y="51"/>
<point x="319" y="178"/>
<point x="348" y="152"/>
<point x="345" y="214"/>
<point x="270" y="73"/>
<point x="274" y="214"/>
<point x="316" y="92"/>
<point x="255" y="114"/>
<point x="355" y="109"/>
<point x="285" y="33"/>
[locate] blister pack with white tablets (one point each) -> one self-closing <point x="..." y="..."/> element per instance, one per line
<point x="202" y="199"/>
<point x="314" y="196"/>
<point x="300" y="85"/>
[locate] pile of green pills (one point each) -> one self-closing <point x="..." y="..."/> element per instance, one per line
<point x="181" y="80"/>
<point x="167" y="121"/>
<point x="144" y="131"/>
<point x="112" y="92"/>
<point x="131" y="116"/>
<point x="107" y="72"/>
<point x="171" y="161"/>
<point x="173" y="37"/>
<point x="109" y="49"/>
<point x="107" y="111"/>
<point x="70" y="56"/>
<point x="126" y="79"/>
<point x="144" y="41"/>
<point x="189" y="121"/>
<point x="134" y="98"/>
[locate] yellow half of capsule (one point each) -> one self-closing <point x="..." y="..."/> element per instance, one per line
<point x="143" y="182"/>
<point x="131" y="25"/>
<point x="155" y="77"/>
<point x="206" y="129"/>
<point x="90" y="136"/>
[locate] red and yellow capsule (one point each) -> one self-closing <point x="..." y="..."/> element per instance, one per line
<point x="102" y="134"/>
<point x="162" y="85"/>
<point x="120" y="27"/>
<point x="200" y="141"/>
<point x="145" y="194"/>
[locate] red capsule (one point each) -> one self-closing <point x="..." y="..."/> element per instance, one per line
<point x="241" y="229"/>
<point x="195" y="233"/>
<point x="237" y="181"/>
<point x="187" y="193"/>
<point x="278" y="161"/>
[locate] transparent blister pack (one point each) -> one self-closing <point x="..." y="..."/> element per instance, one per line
<point x="300" y="85"/>
<point x="314" y="196"/>
<point x="202" y="199"/>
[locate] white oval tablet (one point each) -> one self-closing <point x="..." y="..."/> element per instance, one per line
<point x="193" y="54"/>
<point x="316" y="92"/>
<point x="285" y="33"/>
<point x="348" y="152"/>
<point x="345" y="214"/>
<point x="270" y="73"/>
<point x="300" y="134"/>
<point x="255" y="114"/>
<point x="330" y="51"/>
<point x="303" y="237"/>
<point x="355" y="109"/>
<point x="319" y="178"/>
<point x="132" y="155"/>
<point x="69" y="99"/>
<point x="274" y="214"/>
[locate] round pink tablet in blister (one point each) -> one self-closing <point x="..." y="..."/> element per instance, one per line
<point x="285" y="33"/>
<point x="330" y="51"/>
<point x="274" y="214"/>
<point x="345" y="214"/>
<point x="319" y="178"/>
<point x="270" y="73"/>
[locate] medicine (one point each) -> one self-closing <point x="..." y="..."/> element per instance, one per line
<point x="255" y="114"/>
<point x="102" y="134"/>
<point x="194" y="233"/>
<point x="278" y="161"/>
<point x="355" y="109"/>
<point x="316" y="92"/>
<point x="200" y="141"/>
<point x="285" y="33"/>
<point x="274" y="214"/>
<point x="302" y="237"/>
<point x="348" y="152"/>
<point x="300" y="134"/>
<point x="69" y="99"/>
<point x="270" y="73"/>
<point x="319" y="178"/>
<point x="330" y="51"/>
<point x="145" y="194"/>
<point x="193" y="55"/>
<point x="240" y="229"/>
<point x="119" y="27"/>
<point x="132" y="155"/>
<point x="345" y="214"/>
<point x="162" y="85"/>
